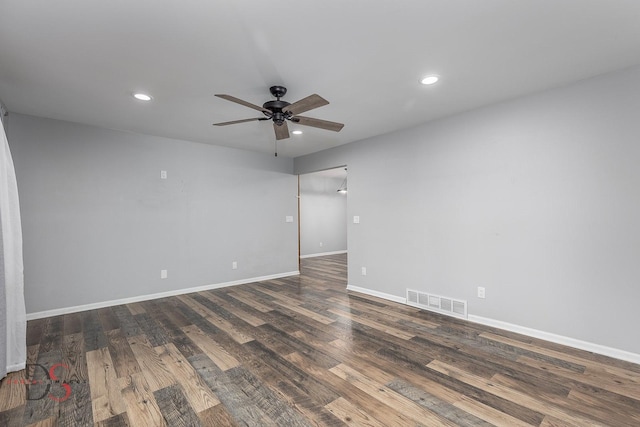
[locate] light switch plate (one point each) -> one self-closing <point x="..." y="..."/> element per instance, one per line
<point x="288" y="218"/>
<point x="356" y="219"/>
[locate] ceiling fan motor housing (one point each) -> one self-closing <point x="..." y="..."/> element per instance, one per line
<point x="278" y="91"/>
<point x="277" y="115"/>
<point x="275" y="106"/>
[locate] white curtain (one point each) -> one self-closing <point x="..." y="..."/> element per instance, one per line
<point x="13" y="321"/>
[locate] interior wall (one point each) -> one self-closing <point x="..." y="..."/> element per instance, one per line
<point x="535" y="199"/>
<point x="100" y="224"/>
<point x="323" y="214"/>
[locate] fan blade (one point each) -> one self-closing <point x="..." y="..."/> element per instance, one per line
<point x="317" y="123"/>
<point x="241" y="102"/>
<point x="239" y="121"/>
<point x="282" y="131"/>
<point x="306" y="104"/>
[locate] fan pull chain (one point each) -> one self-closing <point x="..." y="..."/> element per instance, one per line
<point x="276" y="148"/>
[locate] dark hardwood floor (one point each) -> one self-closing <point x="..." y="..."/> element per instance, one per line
<point x="303" y="351"/>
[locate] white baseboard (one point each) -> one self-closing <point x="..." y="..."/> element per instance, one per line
<point x="534" y="333"/>
<point x="558" y="339"/>
<point x="377" y="294"/>
<point x="323" y="254"/>
<point x="93" y="306"/>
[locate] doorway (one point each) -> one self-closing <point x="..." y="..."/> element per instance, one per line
<point x="322" y="207"/>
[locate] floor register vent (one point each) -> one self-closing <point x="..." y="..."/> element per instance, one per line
<point x="437" y="303"/>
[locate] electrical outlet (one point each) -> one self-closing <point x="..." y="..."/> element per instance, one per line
<point x="364" y="271"/>
<point x="163" y="274"/>
<point x="481" y="292"/>
<point x="320" y="244"/>
<point x="163" y="174"/>
<point x="234" y="265"/>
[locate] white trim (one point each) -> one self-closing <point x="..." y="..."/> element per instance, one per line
<point x="558" y="339"/>
<point x="93" y="306"/>
<point x="377" y="294"/>
<point x="323" y="254"/>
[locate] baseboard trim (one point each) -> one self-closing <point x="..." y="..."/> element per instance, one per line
<point x="376" y="294"/>
<point x="534" y="333"/>
<point x="323" y="254"/>
<point x="93" y="306"/>
<point x="558" y="339"/>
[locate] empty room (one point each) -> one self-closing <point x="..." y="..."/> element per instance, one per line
<point x="320" y="213"/>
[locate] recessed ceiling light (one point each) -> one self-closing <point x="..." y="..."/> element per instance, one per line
<point x="297" y="132"/>
<point x="142" y="96"/>
<point x="429" y="80"/>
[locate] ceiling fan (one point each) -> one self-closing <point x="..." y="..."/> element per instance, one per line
<point x="280" y="111"/>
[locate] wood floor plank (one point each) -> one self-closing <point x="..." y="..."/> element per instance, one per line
<point x="217" y="416"/>
<point x="106" y="400"/>
<point x="49" y="422"/>
<point x="72" y="323"/>
<point x="39" y="406"/>
<point x="388" y="397"/>
<point x="198" y="394"/>
<point x="108" y="320"/>
<point x="154" y="333"/>
<point x="136" y="308"/>
<point x="153" y="368"/>
<point x="302" y="350"/>
<point x="52" y="334"/>
<point x="76" y="410"/>
<point x="92" y="331"/>
<point x="251" y="301"/>
<point x="239" y="405"/>
<point x="13" y="391"/>
<point x="75" y="365"/>
<point x="632" y="409"/>
<point x="356" y="396"/>
<point x="128" y="324"/>
<point x="142" y="409"/>
<point x="281" y="413"/>
<point x="214" y="350"/>
<point x="237" y="311"/>
<point x="436" y="405"/>
<point x="124" y="361"/>
<point x="171" y="321"/>
<point x="174" y="407"/>
<point x="489" y="414"/>
<point x="217" y="318"/>
<point x="373" y="324"/>
<point x="12" y="417"/>
<point x="120" y="420"/>
<point x="528" y="401"/>
<point x="352" y="415"/>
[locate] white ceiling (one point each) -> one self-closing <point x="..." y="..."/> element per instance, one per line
<point x="80" y="60"/>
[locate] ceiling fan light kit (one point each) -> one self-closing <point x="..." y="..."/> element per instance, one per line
<point x="280" y="112"/>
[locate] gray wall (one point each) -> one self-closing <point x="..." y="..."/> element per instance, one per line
<point x="99" y="224"/>
<point x="323" y="215"/>
<point x="535" y="199"/>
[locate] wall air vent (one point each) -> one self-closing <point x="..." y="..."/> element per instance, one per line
<point x="439" y="304"/>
